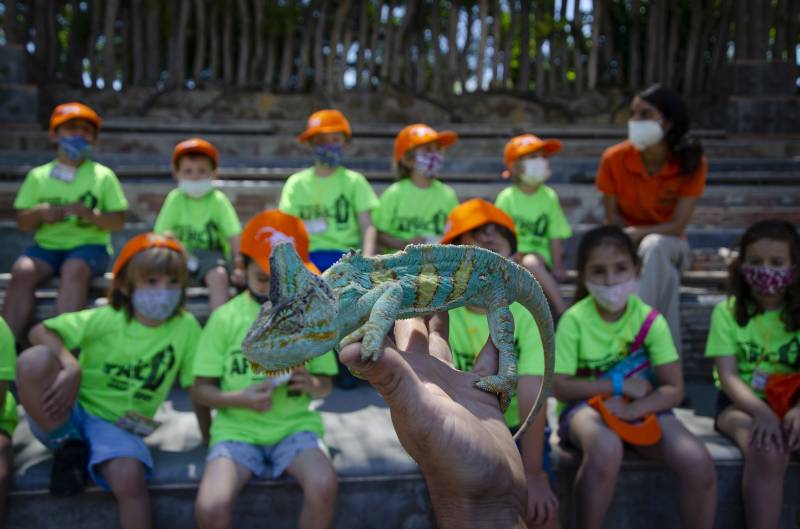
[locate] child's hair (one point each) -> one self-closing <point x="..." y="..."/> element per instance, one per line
<point x="194" y="156"/>
<point x="143" y="264"/>
<point x="600" y="236"/>
<point x="401" y="170"/>
<point x="686" y="148"/>
<point x="745" y="306"/>
<point x="507" y="234"/>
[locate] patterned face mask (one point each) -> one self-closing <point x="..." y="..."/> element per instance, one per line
<point x="614" y="297"/>
<point x="329" y="155"/>
<point x="156" y="304"/>
<point x="76" y="148"/>
<point x="428" y="164"/>
<point x="767" y="280"/>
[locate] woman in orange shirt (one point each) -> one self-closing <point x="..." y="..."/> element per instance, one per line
<point x="650" y="184"/>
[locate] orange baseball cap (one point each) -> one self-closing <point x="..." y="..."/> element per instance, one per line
<point x="195" y="146"/>
<point x="473" y="214"/>
<point x="420" y="134"/>
<point x="143" y="242"/>
<point x="269" y="228"/>
<point x="645" y="433"/>
<point x="519" y="146"/>
<point x="324" y="121"/>
<point x="67" y="111"/>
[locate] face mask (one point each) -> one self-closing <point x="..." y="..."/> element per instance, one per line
<point x="196" y="188"/>
<point x="765" y="279"/>
<point x="535" y="170"/>
<point x="156" y="304"/>
<point x="260" y="298"/>
<point x="76" y="148"/>
<point x="614" y="297"/>
<point x="428" y="164"/>
<point x="644" y="133"/>
<point x="329" y="155"/>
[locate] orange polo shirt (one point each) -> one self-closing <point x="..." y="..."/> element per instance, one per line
<point x="645" y="199"/>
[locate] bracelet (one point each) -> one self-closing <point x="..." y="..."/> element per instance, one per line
<point x="617" y="383"/>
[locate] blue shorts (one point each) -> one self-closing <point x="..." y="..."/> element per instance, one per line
<point x="267" y="461"/>
<point x="106" y="442"/>
<point x="324" y="259"/>
<point x="94" y="255"/>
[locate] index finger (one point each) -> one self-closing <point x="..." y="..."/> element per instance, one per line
<point x="411" y="335"/>
<point x="438" y="337"/>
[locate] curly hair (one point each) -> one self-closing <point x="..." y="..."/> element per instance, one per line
<point x="600" y="236"/>
<point x="745" y="304"/>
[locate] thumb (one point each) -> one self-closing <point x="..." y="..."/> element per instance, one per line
<point x="391" y="375"/>
<point x="488" y="359"/>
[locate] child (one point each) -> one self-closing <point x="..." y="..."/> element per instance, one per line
<point x="414" y="209"/>
<point x="754" y="335"/>
<point x="536" y="211"/>
<point x="605" y="327"/>
<point x="8" y="414"/>
<point x="201" y="217"/>
<point x="333" y="202"/>
<point x="479" y="223"/>
<point x="263" y="426"/>
<point x="95" y="410"/>
<point x="72" y="204"/>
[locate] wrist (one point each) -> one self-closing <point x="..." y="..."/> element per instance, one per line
<point x="617" y="385"/>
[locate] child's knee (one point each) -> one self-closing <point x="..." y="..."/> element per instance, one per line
<point x="697" y="467"/>
<point x="765" y="463"/>
<point x="35" y="363"/>
<point x="322" y="488"/>
<point x="76" y="270"/>
<point x="23" y="272"/>
<point x="212" y="512"/>
<point x="126" y="477"/>
<point x="604" y="455"/>
<point x="534" y="262"/>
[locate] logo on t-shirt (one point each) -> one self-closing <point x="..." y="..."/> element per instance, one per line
<point x="339" y="214"/>
<point x="433" y="224"/>
<point x="207" y="237"/>
<point x="538" y="228"/>
<point x="146" y="373"/>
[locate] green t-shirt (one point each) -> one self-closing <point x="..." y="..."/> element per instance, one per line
<point x="406" y="211"/>
<point x="94" y="185"/>
<point x="329" y="206"/>
<point x="205" y="223"/>
<point x="219" y="355"/>
<point x="762" y="344"/>
<point x="538" y="217"/>
<point x="469" y="331"/>
<point x="126" y="365"/>
<point x="8" y="358"/>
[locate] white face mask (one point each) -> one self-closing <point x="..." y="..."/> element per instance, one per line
<point x="535" y="170"/>
<point x="196" y="188"/>
<point x="644" y="133"/>
<point x="614" y="297"/>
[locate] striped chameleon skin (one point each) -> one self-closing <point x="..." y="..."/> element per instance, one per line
<point x="359" y="298"/>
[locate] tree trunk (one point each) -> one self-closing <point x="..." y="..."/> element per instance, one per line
<point x="437" y="69"/>
<point x="372" y="65"/>
<point x="199" y="40"/>
<point x="523" y="84"/>
<point x="744" y="28"/>
<point x="257" y="65"/>
<point x="287" y="59"/>
<point x="363" y="26"/>
<point x="693" y="48"/>
<point x="483" y="44"/>
<point x="463" y="62"/>
<point x="178" y="67"/>
<point x="671" y="59"/>
<point x="782" y="24"/>
<point x="344" y="64"/>
<point x="53" y="42"/>
<point x="244" y="44"/>
<point x="137" y="42"/>
<point x="598" y="12"/>
<point x="125" y="45"/>
<point x="386" y="50"/>
<point x="305" y="51"/>
<point x="720" y="48"/>
<point x="215" y="38"/>
<point x="654" y="53"/>
<point x="400" y="38"/>
<point x="319" y="43"/>
<point x="422" y="58"/>
<point x="508" y="79"/>
<point x="227" y="44"/>
<point x="497" y="42"/>
<point x="577" y="51"/>
<point x="452" y="45"/>
<point x="11" y="24"/>
<point x="608" y="49"/>
<point x="152" y="48"/>
<point x="634" y="50"/>
<point x="76" y="47"/>
<point x="539" y="36"/>
<point x="333" y="62"/>
<point x="561" y="51"/>
<point x="109" y="63"/>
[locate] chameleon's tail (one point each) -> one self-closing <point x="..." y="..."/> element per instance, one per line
<point x="532" y="298"/>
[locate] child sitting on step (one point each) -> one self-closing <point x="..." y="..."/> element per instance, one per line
<point x="479" y="223"/>
<point x="414" y="209"/>
<point x="72" y="204"/>
<point x="94" y="411"/>
<point x="754" y="339"/>
<point x="202" y="218"/>
<point x="263" y="426"/>
<point x="534" y="206"/>
<point x="8" y="414"/>
<point x="616" y="352"/>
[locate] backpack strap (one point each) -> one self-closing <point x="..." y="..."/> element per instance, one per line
<point x="644" y="329"/>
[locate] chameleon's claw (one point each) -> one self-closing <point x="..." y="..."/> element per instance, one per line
<point x="501" y="386"/>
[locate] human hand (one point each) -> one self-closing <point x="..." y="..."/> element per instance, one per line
<point x="559" y="273"/>
<point x="61" y="395"/>
<point x="766" y="433"/>
<point x="303" y="381"/>
<point x="636" y="387"/>
<point x="542" y="502"/>
<point x="258" y="397"/>
<point x="52" y="214"/>
<point x="791" y="429"/>
<point x="79" y="210"/>
<point x="622" y="408"/>
<point x="453" y="430"/>
<point x="417" y="240"/>
<point x="237" y="277"/>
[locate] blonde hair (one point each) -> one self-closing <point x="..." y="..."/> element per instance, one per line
<point x="162" y="261"/>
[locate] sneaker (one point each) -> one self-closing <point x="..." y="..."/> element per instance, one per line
<point x="68" y="475"/>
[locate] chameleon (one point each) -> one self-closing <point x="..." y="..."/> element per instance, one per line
<point x="359" y="298"/>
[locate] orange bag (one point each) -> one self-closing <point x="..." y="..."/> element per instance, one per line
<point x="644" y="433"/>
<point x="782" y="392"/>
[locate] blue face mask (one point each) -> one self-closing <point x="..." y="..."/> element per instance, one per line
<point x="76" y="148"/>
<point x="329" y="155"/>
<point x="156" y="304"/>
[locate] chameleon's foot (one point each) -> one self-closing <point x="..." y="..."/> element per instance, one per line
<point x="503" y="387"/>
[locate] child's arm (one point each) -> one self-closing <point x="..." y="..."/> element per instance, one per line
<point x="612" y="213"/>
<point x="368" y="233"/>
<point x="3" y="391"/>
<point x="62" y="394"/>
<point x="569" y="388"/>
<point x="105" y="221"/>
<point x="237" y="273"/>
<point x="203" y="414"/>
<point x="316" y="386"/>
<point x="556" y="253"/>
<point x="667" y="395"/>
<point x="30" y="219"/>
<point x="258" y="397"/>
<point x="384" y="239"/>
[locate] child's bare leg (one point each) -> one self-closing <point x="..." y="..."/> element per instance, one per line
<point x="217" y="281"/>
<point x="26" y="274"/>
<point x="37" y="369"/>
<point x="597" y="476"/>
<point x="73" y="288"/>
<point x="538" y="268"/>
<point x="223" y="480"/>
<point x="762" y="479"/>
<point x="6" y="471"/>
<point x="313" y="470"/>
<point x="127" y="479"/>
<point x="689" y="459"/>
